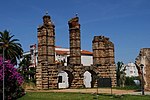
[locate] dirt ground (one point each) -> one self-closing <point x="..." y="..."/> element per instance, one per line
<point x="93" y="90"/>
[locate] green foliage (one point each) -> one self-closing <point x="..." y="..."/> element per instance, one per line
<point x="135" y="87"/>
<point x="130" y="81"/>
<point x="130" y="84"/>
<point x="120" y="74"/>
<point x="26" y="72"/>
<point x="12" y="48"/>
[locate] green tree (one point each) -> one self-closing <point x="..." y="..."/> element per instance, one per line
<point x="121" y="74"/>
<point x="24" y="67"/>
<point x="32" y="72"/>
<point x="12" y="47"/>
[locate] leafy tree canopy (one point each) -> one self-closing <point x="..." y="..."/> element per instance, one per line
<point x="12" y="48"/>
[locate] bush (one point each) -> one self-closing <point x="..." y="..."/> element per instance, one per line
<point x="130" y="81"/>
<point x="130" y="84"/>
<point x="13" y="81"/>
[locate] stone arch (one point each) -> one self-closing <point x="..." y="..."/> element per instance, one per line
<point x="65" y="79"/>
<point x="89" y="78"/>
<point x="70" y="77"/>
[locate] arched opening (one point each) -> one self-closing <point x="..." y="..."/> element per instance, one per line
<point x="89" y="79"/>
<point x="65" y="79"/>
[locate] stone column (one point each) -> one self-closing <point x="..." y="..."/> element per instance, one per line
<point x="75" y="52"/>
<point x="46" y="54"/>
<point x="103" y="58"/>
<point x="75" y="45"/>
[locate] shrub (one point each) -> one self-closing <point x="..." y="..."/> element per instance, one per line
<point x="130" y="81"/>
<point x="13" y="81"/>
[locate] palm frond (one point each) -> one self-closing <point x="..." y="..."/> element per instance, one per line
<point x="13" y="49"/>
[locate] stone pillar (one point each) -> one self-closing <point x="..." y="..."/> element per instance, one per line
<point x="46" y="53"/>
<point x="53" y="76"/>
<point x="103" y="51"/>
<point x="75" y="45"/>
<point x="103" y="58"/>
<point x="78" y="77"/>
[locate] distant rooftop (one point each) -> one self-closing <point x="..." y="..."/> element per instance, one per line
<point x="65" y="51"/>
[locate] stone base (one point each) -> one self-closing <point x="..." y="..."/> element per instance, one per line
<point x="49" y="79"/>
<point x="78" y="77"/>
<point x="108" y="71"/>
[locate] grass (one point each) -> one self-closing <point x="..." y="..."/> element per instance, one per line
<point x="128" y="88"/>
<point x="79" y="96"/>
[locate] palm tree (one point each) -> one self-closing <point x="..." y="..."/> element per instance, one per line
<point x="13" y="49"/>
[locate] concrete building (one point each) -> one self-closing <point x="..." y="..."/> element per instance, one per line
<point x="61" y="56"/>
<point x="131" y="70"/>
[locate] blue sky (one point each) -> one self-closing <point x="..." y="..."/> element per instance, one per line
<point x="125" y="22"/>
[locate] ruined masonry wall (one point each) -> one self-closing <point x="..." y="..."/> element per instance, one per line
<point x="144" y="58"/>
<point x="47" y="71"/>
<point x="78" y="77"/>
<point x="103" y="58"/>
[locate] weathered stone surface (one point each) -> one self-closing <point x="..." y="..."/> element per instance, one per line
<point x="144" y="58"/>
<point x="103" y="50"/>
<point x="46" y="69"/>
<point x="75" y="44"/>
<point x="103" y="58"/>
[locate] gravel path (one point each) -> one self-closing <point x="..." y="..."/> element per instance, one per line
<point x="95" y="90"/>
